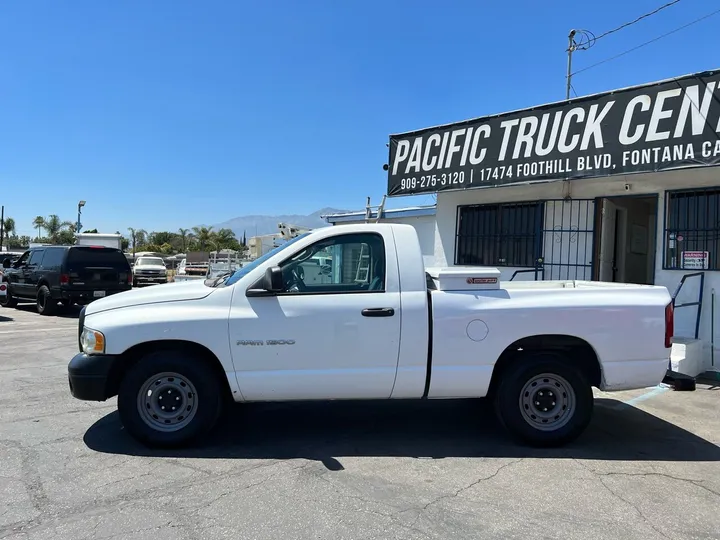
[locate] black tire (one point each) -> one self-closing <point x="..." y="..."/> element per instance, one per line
<point x="564" y="397"/>
<point x="46" y="305"/>
<point x="135" y="283"/>
<point x="8" y="301"/>
<point x="205" y="403"/>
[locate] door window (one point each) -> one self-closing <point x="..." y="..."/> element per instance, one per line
<point x="22" y="261"/>
<point x="36" y="258"/>
<point x="351" y="263"/>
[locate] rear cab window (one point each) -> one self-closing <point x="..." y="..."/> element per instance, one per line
<point x="97" y="267"/>
<point x="97" y="257"/>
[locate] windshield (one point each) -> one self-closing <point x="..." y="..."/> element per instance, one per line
<point x="245" y="270"/>
<point x="148" y="261"/>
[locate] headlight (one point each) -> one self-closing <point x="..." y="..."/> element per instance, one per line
<point x="92" y="341"/>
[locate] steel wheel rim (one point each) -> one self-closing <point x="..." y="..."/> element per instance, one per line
<point x="167" y="402"/>
<point x="547" y="402"/>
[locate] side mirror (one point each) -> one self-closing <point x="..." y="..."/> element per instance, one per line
<point x="6" y="262"/>
<point x="273" y="280"/>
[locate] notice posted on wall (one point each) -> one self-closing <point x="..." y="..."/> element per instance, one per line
<point x="695" y="260"/>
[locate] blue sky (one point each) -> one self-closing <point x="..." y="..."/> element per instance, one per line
<point x="171" y="113"/>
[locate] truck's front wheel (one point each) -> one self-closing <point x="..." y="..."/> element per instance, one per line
<point x="169" y="399"/>
<point x="543" y="400"/>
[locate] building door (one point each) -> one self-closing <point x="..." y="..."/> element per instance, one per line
<point x="627" y="243"/>
<point x="608" y="241"/>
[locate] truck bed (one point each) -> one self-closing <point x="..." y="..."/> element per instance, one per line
<point x="476" y="317"/>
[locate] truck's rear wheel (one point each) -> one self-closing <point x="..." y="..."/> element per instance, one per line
<point x="544" y="401"/>
<point x="169" y="399"/>
<point x="46" y="304"/>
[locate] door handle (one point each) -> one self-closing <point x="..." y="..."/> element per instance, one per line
<point x="378" y="312"/>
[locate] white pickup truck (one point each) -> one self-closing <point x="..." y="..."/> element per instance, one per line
<point x="378" y="325"/>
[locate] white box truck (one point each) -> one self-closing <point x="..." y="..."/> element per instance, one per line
<point x="111" y="240"/>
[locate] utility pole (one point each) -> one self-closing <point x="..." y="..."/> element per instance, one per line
<point x="2" y="226"/>
<point x="571" y="49"/>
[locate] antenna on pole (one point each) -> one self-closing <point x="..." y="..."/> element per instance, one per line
<point x="570" y="51"/>
<point x="587" y="40"/>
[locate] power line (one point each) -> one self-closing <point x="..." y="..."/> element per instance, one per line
<point x="647" y="42"/>
<point x="640" y="18"/>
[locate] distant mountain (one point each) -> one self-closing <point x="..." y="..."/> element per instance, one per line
<point x="257" y="225"/>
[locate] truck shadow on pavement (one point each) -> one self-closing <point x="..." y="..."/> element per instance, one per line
<point x="72" y="312"/>
<point x="327" y="431"/>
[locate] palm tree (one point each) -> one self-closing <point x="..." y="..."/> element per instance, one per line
<point x="204" y="235"/>
<point x="54" y="226"/>
<point x="137" y="238"/>
<point x="39" y="223"/>
<point x="183" y="238"/>
<point x="9" y="227"/>
<point x="224" y="238"/>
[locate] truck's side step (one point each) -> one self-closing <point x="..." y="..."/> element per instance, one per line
<point x="679" y="381"/>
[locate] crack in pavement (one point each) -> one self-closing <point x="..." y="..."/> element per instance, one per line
<point x="132" y="497"/>
<point x="30" y="477"/>
<point x="600" y="476"/>
<point x="634" y="507"/>
<point x="461" y="490"/>
<point x="696" y="483"/>
<point x="392" y="517"/>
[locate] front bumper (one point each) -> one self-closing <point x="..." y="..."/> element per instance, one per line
<point x="91" y="376"/>
<point x="150" y="279"/>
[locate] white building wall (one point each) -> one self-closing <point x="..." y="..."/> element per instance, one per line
<point x="645" y="184"/>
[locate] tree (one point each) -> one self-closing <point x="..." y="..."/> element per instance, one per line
<point x="164" y="237"/>
<point x="91" y="231"/>
<point x="124" y="242"/>
<point x="9" y="227"/>
<point x="56" y="229"/>
<point x="204" y="235"/>
<point x="39" y="223"/>
<point x="183" y="239"/>
<point x="65" y="237"/>
<point x="137" y="238"/>
<point x="17" y="242"/>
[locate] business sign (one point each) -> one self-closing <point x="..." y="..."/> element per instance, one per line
<point x="695" y="260"/>
<point x="666" y="125"/>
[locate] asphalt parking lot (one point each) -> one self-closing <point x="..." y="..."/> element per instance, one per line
<point x="648" y="467"/>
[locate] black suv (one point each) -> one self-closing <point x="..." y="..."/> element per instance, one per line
<point x="68" y="274"/>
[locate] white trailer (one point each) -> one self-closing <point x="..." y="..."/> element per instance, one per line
<point x="112" y="240"/>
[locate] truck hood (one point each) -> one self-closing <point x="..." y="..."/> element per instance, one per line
<point x="170" y="292"/>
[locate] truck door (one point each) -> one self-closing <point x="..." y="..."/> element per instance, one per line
<point x="32" y="272"/>
<point x="336" y="338"/>
<point x="16" y="275"/>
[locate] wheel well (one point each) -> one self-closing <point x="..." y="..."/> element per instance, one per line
<point x="574" y="349"/>
<point x="133" y="355"/>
